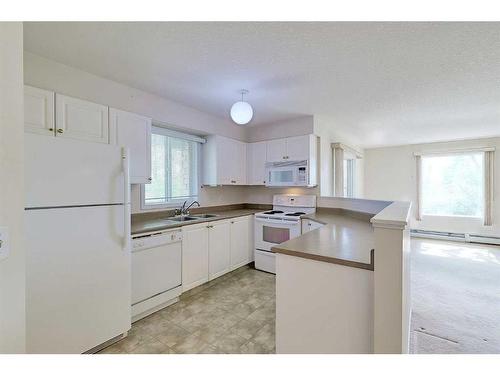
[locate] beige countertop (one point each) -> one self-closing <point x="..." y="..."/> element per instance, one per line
<point x="346" y="239"/>
<point x="144" y="223"/>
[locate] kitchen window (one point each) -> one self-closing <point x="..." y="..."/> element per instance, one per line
<point x="454" y="184"/>
<point x="174" y="169"/>
<point x="344" y="170"/>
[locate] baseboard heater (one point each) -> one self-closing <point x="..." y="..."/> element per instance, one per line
<point x="459" y="237"/>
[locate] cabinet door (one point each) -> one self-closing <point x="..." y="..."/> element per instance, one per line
<point x="309" y="225"/>
<point x="194" y="256"/>
<point x="241" y="249"/>
<point x="276" y="150"/>
<point x="297" y="148"/>
<point x="38" y="111"/>
<point x="133" y="131"/>
<point x="239" y="163"/>
<point x="256" y="163"/>
<point x="80" y="119"/>
<point x="225" y="156"/>
<point x="219" y="249"/>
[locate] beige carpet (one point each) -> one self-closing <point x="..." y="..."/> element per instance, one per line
<point x="455" y="297"/>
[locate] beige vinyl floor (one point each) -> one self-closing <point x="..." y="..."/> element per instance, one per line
<point x="232" y="314"/>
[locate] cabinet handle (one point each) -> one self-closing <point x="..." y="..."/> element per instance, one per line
<point x="150" y="178"/>
<point x="51" y="129"/>
<point x="60" y="131"/>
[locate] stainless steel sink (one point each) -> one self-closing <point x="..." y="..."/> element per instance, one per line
<point x="184" y="218"/>
<point x="205" y="216"/>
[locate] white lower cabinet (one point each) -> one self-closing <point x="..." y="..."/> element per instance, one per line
<point x="194" y="255"/>
<point x="219" y="258"/>
<point x="241" y="241"/>
<point x="309" y="225"/>
<point x="212" y="249"/>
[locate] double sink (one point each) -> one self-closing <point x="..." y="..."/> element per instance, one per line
<point x="191" y="217"/>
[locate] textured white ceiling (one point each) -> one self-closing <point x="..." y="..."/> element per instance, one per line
<point x="380" y="83"/>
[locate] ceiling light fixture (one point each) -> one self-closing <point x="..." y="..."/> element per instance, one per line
<point x="241" y="111"/>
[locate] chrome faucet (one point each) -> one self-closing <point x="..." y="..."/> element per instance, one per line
<point x="185" y="210"/>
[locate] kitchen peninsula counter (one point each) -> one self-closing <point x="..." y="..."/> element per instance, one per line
<point x="334" y="293"/>
<point x="347" y="238"/>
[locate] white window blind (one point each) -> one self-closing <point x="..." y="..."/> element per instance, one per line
<point x="174" y="169"/>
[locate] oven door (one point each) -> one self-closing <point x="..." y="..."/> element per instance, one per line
<point x="281" y="176"/>
<point x="270" y="232"/>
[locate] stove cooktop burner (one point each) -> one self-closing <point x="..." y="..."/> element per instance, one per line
<point x="295" y="214"/>
<point x="273" y="212"/>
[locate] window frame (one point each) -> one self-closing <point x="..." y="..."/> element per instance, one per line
<point x="420" y="184"/>
<point x="174" y="203"/>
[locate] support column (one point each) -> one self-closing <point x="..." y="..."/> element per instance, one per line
<point x="392" y="299"/>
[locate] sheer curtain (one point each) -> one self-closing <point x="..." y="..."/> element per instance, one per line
<point x="488" y="186"/>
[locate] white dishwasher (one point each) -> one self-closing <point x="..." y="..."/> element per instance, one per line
<point x="156" y="271"/>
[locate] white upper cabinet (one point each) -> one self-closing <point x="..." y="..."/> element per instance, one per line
<point x="298" y="148"/>
<point x="133" y="131"/>
<point x="291" y="149"/>
<point x="224" y="161"/>
<point x="39" y="111"/>
<point x="256" y="163"/>
<point x="81" y="119"/>
<point x="276" y="150"/>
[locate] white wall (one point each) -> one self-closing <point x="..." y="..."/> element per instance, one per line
<point x="12" y="269"/>
<point x="390" y="174"/>
<point x="289" y="128"/>
<point x="264" y="195"/>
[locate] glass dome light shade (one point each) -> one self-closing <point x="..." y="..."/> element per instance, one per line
<point x="241" y="112"/>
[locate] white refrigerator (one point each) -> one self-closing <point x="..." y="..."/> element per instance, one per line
<point x="77" y="223"/>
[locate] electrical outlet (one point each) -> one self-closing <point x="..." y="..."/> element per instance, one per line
<point x="4" y="243"/>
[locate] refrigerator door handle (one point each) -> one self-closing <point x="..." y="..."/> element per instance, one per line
<point x="126" y="198"/>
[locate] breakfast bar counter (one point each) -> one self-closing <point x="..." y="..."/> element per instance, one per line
<point x="345" y="239"/>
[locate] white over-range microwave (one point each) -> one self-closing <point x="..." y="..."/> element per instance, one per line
<point x="288" y="173"/>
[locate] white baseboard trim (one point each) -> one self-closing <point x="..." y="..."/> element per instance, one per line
<point x="458" y="237"/>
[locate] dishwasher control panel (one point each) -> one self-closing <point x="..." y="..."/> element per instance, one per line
<point x="147" y="241"/>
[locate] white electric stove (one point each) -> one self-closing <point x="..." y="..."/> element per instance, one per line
<point x="278" y="225"/>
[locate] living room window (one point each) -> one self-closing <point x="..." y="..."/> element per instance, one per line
<point x="455" y="184"/>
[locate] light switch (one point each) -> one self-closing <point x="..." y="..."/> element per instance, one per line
<point x="4" y="243"/>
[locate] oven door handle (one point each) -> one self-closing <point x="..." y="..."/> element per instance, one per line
<point x="277" y="221"/>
